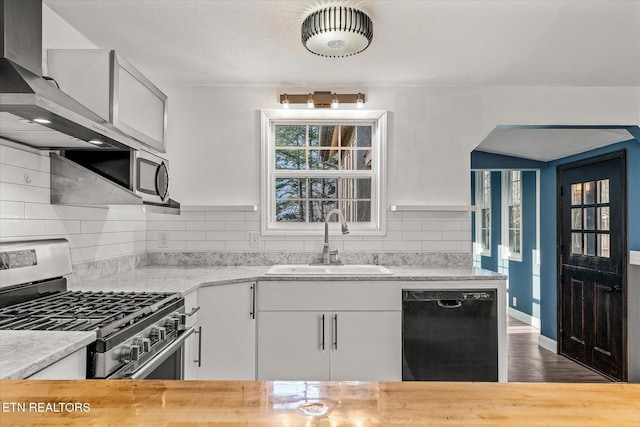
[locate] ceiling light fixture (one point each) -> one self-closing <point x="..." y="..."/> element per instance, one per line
<point x="323" y="99"/>
<point x="337" y="32"/>
<point x="95" y="142"/>
<point x="42" y="121"/>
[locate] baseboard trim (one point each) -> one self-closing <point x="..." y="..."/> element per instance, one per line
<point x="524" y="317"/>
<point x="548" y="344"/>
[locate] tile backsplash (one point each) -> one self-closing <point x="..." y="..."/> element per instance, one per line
<point x="123" y="237"/>
<point x="94" y="233"/>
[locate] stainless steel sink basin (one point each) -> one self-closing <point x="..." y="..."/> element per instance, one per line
<point x="328" y="270"/>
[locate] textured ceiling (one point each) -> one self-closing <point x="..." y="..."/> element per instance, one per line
<point x="496" y="43"/>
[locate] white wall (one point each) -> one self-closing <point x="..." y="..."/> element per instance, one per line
<point x="214" y="135"/>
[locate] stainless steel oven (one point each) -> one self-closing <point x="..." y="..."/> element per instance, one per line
<point x="139" y="334"/>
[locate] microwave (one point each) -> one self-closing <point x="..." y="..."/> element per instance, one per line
<point x="151" y="177"/>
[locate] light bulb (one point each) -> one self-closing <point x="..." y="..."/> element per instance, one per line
<point x="334" y="102"/>
<point x="359" y="101"/>
<point x="285" y="101"/>
<point x="310" y="103"/>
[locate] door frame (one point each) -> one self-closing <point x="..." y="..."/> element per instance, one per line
<point x="621" y="155"/>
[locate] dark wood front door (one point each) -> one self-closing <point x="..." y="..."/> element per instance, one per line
<point x="592" y="257"/>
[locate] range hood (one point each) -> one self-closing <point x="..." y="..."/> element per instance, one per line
<point x="33" y="111"/>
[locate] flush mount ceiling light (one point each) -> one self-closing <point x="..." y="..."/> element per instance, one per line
<point x="337" y="31"/>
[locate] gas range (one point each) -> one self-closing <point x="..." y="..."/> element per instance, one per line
<point x="136" y="331"/>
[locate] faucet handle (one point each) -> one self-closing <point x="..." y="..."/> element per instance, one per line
<point x="333" y="256"/>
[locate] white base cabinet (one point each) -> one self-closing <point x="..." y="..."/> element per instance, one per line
<point x="336" y="346"/>
<point x="191" y="353"/>
<point x="329" y="330"/>
<point x="71" y="367"/>
<point x="228" y="320"/>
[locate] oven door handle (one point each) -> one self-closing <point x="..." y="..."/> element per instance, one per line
<point x="143" y="371"/>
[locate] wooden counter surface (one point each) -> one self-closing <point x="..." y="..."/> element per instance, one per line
<point x="204" y="403"/>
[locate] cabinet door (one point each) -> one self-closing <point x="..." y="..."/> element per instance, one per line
<point x="191" y="357"/>
<point x="227" y="317"/>
<point x="290" y="346"/>
<point x="369" y="346"/>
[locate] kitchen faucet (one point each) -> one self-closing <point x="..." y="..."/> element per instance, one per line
<point x="326" y="253"/>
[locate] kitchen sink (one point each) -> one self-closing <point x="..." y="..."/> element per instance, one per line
<point x="327" y="270"/>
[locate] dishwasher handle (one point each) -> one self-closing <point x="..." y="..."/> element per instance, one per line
<point x="449" y="303"/>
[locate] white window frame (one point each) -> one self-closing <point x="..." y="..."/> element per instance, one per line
<point x="376" y="118"/>
<point x="480" y="206"/>
<point x="506" y="203"/>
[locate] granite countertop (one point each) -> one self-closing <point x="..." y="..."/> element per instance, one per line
<point x="188" y="279"/>
<point x="18" y="358"/>
<point x="16" y="347"/>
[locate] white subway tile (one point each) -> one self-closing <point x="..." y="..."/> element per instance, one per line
<point x="441" y="225"/>
<point x="402" y="245"/>
<point x="24" y="159"/>
<point x="227" y="235"/>
<point x="18" y="175"/>
<point x="390" y="235"/>
<point x="205" y="225"/>
<point x="284" y="245"/>
<point x="443" y="245"/>
<point x="224" y="216"/>
<point x="111" y="226"/>
<point x="133" y="214"/>
<point x="394" y="216"/>
<point x="187" y="216"/>
<point x="364" y="245"/>
<point x="460" y="216"/>
<point x="43" y="211"/>
<point x="10" y="209"/>
<point x="243" y="225"/>
<point x="80" y="240"/>
<point x="176" y="245"/>
<point x="240" y="245"/>
<point x="205" y="245"/>
<point x="187" y="235"/>
<point x="252" y="216"/>
<point x="166" y="225"/>
<point x="84" y="212"/>
<point x="24" y="193"/>
<point x="56" y="226"/>
<point x="22" y="227"/>
<point x="465" y="225"/>
<point x="456" y="235"/>
<point x="421" y="235"/>
<point x="421" y="215"/>
<point x="404" y="225"/>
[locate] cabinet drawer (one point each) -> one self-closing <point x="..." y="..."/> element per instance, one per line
<point x="329" y="295"/>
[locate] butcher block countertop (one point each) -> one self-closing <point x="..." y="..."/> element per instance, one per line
<point x="204" y="403"/>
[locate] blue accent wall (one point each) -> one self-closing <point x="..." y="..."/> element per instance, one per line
<point x="523" y="275"/>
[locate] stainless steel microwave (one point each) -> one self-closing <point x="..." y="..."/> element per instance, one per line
<point x="151" y="177"/>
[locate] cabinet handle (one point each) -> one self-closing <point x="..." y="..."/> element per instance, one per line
<point x="199" y="359"/>
<point x="194" y="311"/>
<point x="252" y="314"/>
<point x="322" y="333"/>
<point x="335" y="331"/>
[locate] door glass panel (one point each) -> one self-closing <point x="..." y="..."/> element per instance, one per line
<point x="576" y="219"/>
<point x="576" y="243"/>
<point x="603" y="191"/>
<point x="590" y="244"/>
<point x="589" y="192"/>
<point x="589" y="218"/>
<point x="604" y="249"/>
<point x="603" y="218"/>
<point x="576" y="194"/>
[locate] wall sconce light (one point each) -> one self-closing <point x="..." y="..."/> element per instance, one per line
<point x="323" y="99"/>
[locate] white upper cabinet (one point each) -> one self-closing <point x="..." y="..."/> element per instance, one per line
<point x="114" y="89"/>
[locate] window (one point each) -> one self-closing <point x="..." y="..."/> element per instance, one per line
<point x="590" y="226"/>
<point x="315" y="161"/>
<point x="512" y="215"/>
<point x="483" y="215"/>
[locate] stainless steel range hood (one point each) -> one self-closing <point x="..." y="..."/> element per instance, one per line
<point x="32" y="110"/>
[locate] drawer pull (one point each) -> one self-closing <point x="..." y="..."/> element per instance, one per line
<point x="194" y="311"/>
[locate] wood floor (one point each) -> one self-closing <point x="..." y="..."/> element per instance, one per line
<point x="529" y="362"/>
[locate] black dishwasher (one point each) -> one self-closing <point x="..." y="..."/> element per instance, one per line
<point x="449" y="335"/>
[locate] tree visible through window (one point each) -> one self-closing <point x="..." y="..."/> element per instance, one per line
<point x="513" y="238"/>
<point x="322" y="167"/>
<point x="483" y="202"/>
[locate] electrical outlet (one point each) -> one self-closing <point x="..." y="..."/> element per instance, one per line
<point x="163" y="239"/>
<point x="514" y="301"/>
<point x="254" y="239"/>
